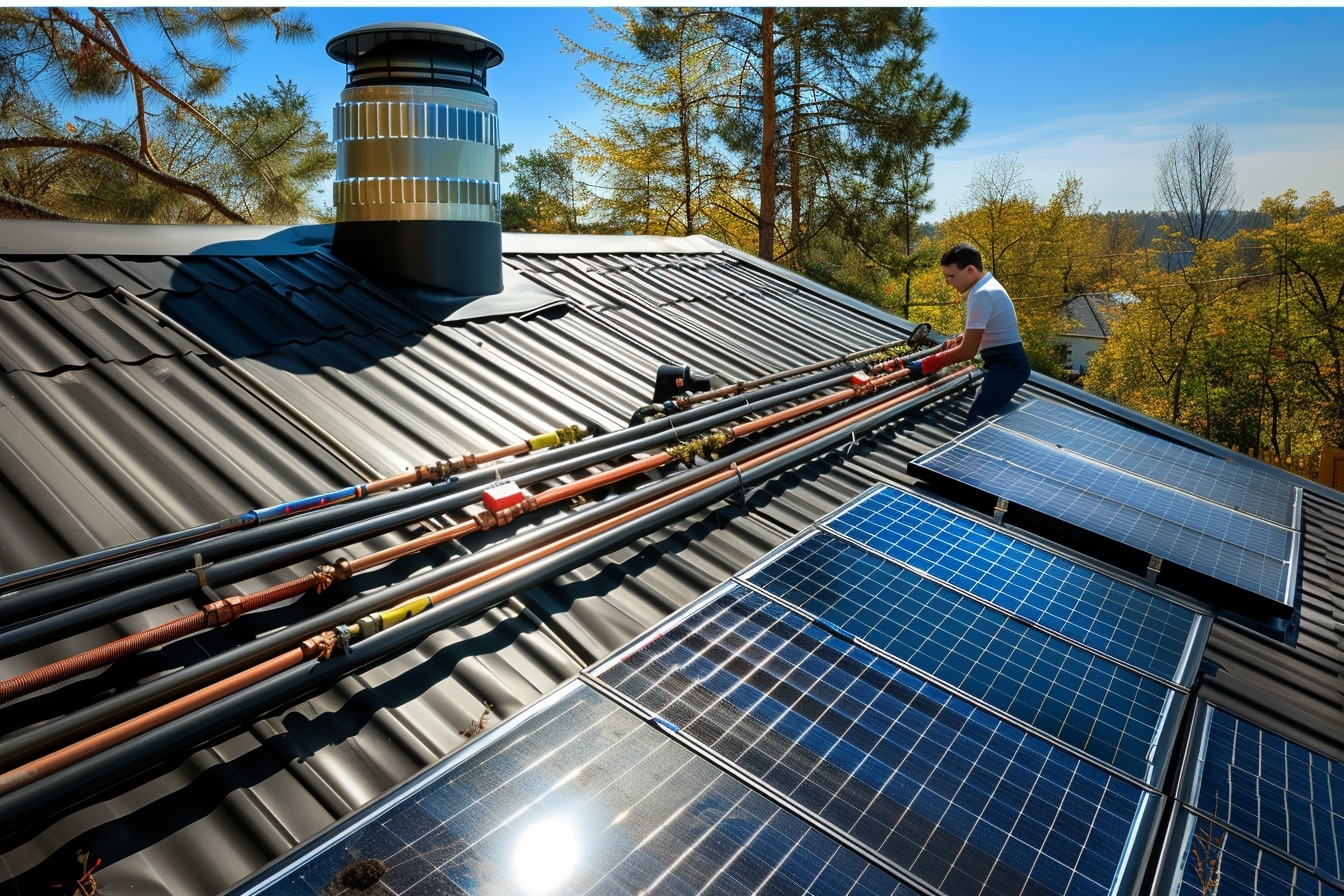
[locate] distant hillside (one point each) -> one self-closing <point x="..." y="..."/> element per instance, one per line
<point x="1148" y="224"/>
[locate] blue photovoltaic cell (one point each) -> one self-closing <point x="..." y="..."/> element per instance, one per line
<point x="1104" y="709"/>
<point x="1232" y="547"/>
<point x="1120" y="620"/>
<point x="1274" y="791"/>
<point x="1243" y="488"/>
<point x="966" y="801"/>
<point x="1218" y="862"/>
<point x="581" y="797"/>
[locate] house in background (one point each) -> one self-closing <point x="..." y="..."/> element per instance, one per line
<point x="618" y="564"/>
<point x="1087" y="325"/>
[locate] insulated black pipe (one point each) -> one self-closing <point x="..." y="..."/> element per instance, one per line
<point x="53" y="610"/>
<point x="68" y="582"/>
<point x="25" y="602"/>
<point x="309" y="678"/>
<point x="60" y="570"/>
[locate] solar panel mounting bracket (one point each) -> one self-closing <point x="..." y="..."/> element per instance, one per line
<point x="1154" y="567"/>
<point x="1000" y="508"/>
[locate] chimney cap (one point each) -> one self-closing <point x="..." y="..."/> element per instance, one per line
<point x="353" y="44"/>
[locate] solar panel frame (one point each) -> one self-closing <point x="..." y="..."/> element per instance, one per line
<point x="695" y="715"/>
<point x="1165" y="523"/>
<point x="1126" y="620"/>
<point x="1154" y="458"/>
<point x="1242" y="866"/>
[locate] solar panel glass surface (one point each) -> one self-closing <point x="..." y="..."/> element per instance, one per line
<point x="1214" y="861"/>
<point x="580" y="796"/>
<point x="1236" y="548"/>
<point x="1112" y="617"/>
<point x="1089" y="702"/>
<point x="956" y="796"/>
<point x="1161" y="460"/>
<point x="1277" y="793"/>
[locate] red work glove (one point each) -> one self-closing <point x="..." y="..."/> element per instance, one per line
<point x="927" y="366"/>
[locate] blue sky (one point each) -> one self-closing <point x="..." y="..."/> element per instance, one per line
<point x="1094" y="91"/>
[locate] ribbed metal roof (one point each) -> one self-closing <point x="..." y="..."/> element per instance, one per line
<point x="141" y="394"/>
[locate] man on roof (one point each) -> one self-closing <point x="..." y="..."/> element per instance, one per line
<point x="991" y="332"/>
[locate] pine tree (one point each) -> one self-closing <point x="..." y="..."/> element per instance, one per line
<point x="163" y="151"/>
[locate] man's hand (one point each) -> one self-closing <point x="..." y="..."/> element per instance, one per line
<point x="926" y="366"/>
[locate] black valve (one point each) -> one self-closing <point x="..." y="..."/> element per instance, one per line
<point x="674" y="380"/>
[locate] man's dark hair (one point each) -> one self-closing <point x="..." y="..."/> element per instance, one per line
<point x="963" y="255"/>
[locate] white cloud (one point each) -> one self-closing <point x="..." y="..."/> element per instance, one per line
<point x="1115" y="153"/>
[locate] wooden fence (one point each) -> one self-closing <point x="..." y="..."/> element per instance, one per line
<point x="1327" y="467"/>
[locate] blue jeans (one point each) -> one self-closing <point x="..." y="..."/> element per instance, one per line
<point x="1006" y="369"/>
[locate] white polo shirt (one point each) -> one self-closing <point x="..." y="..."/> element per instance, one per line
<point x="988" y="308"/>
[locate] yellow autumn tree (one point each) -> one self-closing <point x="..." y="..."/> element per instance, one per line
<point x="1243" y="342"/>
<point x="1043" y="253"/>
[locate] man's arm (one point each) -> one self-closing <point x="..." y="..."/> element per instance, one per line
<point x="962" y="348"/>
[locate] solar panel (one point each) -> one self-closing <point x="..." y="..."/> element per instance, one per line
<point x="1214" y="861"/>
<point x="1241" y="550"/>
<point x="1283" y="798"/>
<point x="1106" y="710"/>
<point x="966" y="801"/>
<point x="1160" y="460"/>
<point x="578" y="797"/>
<point x="1120" y="620"/>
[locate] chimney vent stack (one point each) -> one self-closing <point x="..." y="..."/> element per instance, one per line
<point x="417" y="189"/>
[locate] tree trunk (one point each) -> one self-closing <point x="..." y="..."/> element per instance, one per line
<point x="766" y="248"/>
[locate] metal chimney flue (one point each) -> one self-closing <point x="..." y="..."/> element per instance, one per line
<point x="417" y="189"/>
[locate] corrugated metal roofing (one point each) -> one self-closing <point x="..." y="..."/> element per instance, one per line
<point x="116" y="426"/>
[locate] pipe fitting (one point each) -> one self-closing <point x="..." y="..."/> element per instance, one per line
<point x="567" y="435"/>
<point x="341" y="569"/>
<point x="222" y="612"/>
<point x="706" y="446"/>
<point x="319" y="646"/>
<point x="461" y="464"/>
<point x="324" y="575"/>
<point x="508" y="514"/>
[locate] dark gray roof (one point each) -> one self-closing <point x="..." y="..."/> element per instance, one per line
<point x="158" y="379"/>
<point x="1089" y="315"/>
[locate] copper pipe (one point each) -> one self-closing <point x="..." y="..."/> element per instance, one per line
<point x="600" y="480"/>
<point x="416" y="544"/>
<point x="110" y="737"/>
<point x="815" y="404"/>
<point x="501" y="453"/>
<point x="166" y="633"/>
<point x="513" y="563"/>
<point x="735" y="388"/>
<point x="321" y="645"/>
<point x="157" y="636"/>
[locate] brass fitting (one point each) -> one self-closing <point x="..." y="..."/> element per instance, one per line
<point x="319" y="646"/>
<point x="565" y="436"/>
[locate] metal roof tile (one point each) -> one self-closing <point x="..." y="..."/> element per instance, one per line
<point x="108" y="453"/>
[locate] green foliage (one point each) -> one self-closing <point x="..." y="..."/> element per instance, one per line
<point x="160" y="152"/>
<point x="803" y="134"/>
<point x="1043" y="253"/>
<point x="545" y="197"/>
<point x="655" y="166"/>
